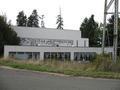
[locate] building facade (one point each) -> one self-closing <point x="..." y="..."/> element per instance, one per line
<point x="44" y="44"/>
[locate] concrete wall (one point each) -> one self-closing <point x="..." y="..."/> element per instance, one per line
<point x="46" y="33"/>
<point x="8" y="49"/>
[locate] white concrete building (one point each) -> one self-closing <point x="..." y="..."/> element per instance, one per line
<point x="50" y="37"/>
<point x="44" y="43"/>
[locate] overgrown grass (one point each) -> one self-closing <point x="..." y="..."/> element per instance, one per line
<point x="105" y="63"/>
<point x="102" y="67"/>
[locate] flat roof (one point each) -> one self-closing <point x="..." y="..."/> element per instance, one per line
<point x="47" y="33"/>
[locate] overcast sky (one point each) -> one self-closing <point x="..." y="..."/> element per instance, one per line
<point x="73" y="11"/>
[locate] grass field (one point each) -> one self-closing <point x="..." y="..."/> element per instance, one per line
<point x="101" y="67"/>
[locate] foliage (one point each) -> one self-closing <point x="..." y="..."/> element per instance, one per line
<point x="7" y="35"/>
<point x="21" y="19"/>
<point x="33" y="20"/>
<point x="90" y="29"/>
<point x="109" y="32"/>
<point x="59" y="22"/>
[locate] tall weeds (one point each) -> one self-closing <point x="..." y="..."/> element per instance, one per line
<point x="105" y="63"/>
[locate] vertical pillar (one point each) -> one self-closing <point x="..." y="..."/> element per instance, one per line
<point x="72" y="56"/>
<point x="64" y="56"/>
<point x="41" y="55"/>
<point x="50" y="56"/>
<point x="6" y="52"/>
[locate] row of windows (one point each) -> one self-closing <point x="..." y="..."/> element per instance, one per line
<point x="25" y="55"/>
<point x="78" y="56"/>
<point x="81" y="56"/>
<point x="57" y="55"/>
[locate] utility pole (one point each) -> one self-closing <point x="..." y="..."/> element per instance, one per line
<point x="104" y="26"/>
<point x="115" y="38"/>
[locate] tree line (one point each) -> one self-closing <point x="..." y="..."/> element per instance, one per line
<point x="33" y="20"/>
<point x="93" y="30"/>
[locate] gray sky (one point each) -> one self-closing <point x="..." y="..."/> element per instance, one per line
<point x="73" y="11"/>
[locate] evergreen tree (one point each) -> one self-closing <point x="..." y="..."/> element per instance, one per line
<point x="7" y="35"/>
<point x="33" y="20"/>
<point x="90" y="29"/>
<point x="109" y="32"/>
<point x="59" y="22"/>
<point x="21" y="19"/>
<point x="84" y="29"/>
